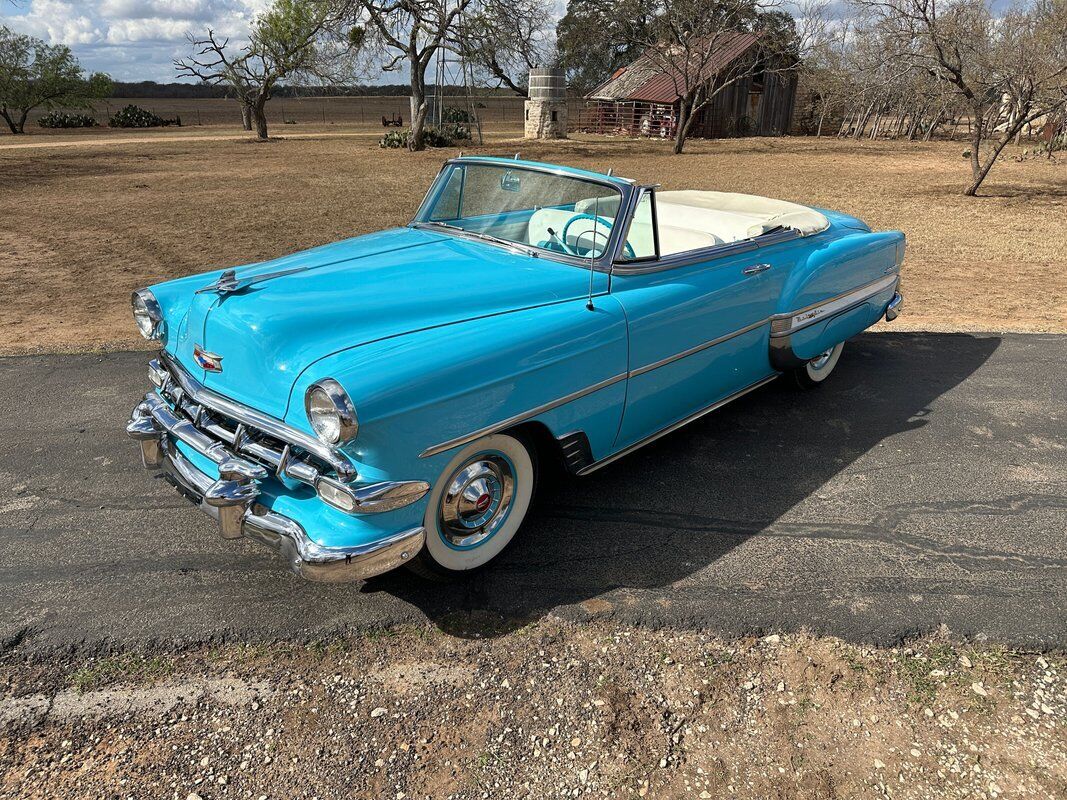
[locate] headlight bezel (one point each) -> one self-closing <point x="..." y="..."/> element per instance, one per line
<point x="145" y="306"/>
<point x="333" y="399"/>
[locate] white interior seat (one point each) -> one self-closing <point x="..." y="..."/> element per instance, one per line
<point x="688" y="220"/>
<point x="734" y="217"/>
<point x="672" y="239"/>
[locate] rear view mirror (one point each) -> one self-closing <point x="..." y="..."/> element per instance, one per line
<point x="510" y="182"/>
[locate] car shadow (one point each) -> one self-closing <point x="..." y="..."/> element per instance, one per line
<point x="676" y="506"/>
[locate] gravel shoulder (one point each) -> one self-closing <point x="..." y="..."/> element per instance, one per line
<point x="552" y="709"/>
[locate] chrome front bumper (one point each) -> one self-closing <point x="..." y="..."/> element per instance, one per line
<point x="231" y="500"/>
<point x="302" y="556"/>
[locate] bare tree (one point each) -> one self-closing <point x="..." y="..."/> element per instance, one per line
<point x="292" y="38"/>
<point x="504" y="39"/>
<point x="825" y="76"/>
<point x="409" y="32"/>
<point x="1007" y="71"/>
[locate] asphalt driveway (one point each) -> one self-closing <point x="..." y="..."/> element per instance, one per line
<point x="925" y="485"/>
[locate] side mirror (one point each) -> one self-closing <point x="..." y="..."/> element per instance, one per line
<point x="510" y="182"/>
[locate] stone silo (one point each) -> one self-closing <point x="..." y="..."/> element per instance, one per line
<point x="546" y="110"/>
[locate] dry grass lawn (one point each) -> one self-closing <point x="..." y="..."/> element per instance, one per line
<point x="82" y="226"/>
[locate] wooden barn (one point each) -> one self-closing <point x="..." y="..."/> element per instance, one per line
<point x="642" y="99"/>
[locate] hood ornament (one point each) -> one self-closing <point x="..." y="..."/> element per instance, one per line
<point x="228" y="282"/>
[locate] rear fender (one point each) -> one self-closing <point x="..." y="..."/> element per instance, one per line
<point x="840" y="290"/>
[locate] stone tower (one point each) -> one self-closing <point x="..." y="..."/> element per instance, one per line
<point x="546" y="110"/>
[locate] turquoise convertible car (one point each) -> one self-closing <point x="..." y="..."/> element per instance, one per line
<point x="389" y="399"/>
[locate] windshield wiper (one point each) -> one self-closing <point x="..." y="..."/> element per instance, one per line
<point x="485" y="237"/>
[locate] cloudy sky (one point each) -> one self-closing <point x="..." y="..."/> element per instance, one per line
<point x="129" y="39"/>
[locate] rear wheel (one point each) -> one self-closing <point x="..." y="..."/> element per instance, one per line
<point x="818" y="369"/>
<point x="477" y="506"/>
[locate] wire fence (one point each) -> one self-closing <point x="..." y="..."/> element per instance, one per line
<point x="367" y="110"/>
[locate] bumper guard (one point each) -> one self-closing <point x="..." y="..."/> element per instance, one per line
<point x="231" y="501"/>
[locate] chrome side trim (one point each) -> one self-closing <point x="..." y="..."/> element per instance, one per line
<point x="783" y="326"/>
<point x="781" y="356"/>
<point x="793" y="321"/>
<point x="515" y="420"/>
<point x="541" y="409"/>
<point x="257" y="419"/>
<point x="674" y="426"/>
<point x="698" y="348"/>
<point x="302" y="556"/>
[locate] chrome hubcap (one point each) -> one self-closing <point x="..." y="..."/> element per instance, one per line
<point x="476" y="501"/>
<point x="821" y="360"/>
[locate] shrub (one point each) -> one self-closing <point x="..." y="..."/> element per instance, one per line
<point x="452" y="114"/>
<point x="134" y="117"/>
<point x="395" y="139"/>
<point x="445" y="136"/>
<point x="60" y="119"/>
<point x="453" y="133"/>
<point x="1047" y="149"/>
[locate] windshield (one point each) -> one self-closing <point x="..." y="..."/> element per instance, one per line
<point x="523" y="207"/>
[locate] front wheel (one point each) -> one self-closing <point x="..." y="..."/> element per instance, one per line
<point x="818" y="369"/>
<point x="477" y="506"/>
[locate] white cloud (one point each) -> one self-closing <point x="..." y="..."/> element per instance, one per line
<point x="130" y="39"/>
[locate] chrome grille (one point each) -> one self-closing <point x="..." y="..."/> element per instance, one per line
<point x="286" y="459"/>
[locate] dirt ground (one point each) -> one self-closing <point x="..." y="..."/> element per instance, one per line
<point x="550" y="710"/>
<point x="81" y="226"/>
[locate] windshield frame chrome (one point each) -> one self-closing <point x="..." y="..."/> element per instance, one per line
<point x="603" y="263"/>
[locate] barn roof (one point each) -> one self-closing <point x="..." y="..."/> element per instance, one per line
<point x="648" y="80"/>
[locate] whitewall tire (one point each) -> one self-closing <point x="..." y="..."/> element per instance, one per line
<point x="819" y="368"/>
<point x="477" y="505"/>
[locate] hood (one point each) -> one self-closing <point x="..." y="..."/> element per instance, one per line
<point x="351" y="293"/>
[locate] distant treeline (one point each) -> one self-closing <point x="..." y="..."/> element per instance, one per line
<point x="202" y="90"/>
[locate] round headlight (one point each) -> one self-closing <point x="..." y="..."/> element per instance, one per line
<point x="330" y="412"/>
<point x="147" y="314"/>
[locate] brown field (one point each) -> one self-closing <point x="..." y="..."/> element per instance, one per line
<point x="83" y="225"/>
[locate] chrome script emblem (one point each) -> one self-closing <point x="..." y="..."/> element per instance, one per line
<point x="212" y="362"/>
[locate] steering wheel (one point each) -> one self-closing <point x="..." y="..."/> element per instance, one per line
<point x="627" y="249"/>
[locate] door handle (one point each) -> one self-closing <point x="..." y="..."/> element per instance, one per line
<point x="755" y="269"/>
